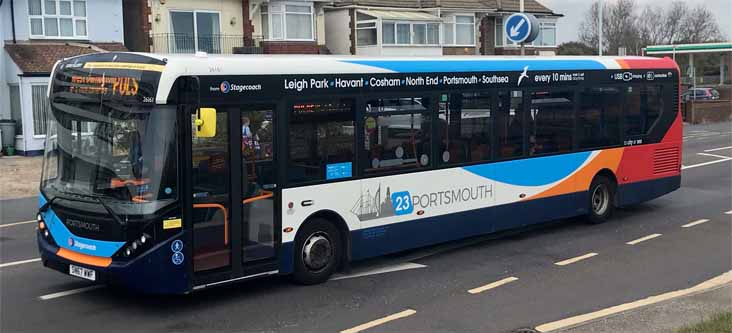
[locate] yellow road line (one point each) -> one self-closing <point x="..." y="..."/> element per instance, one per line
<point x="577" y="320"/>
<point x="697" y="222"/>
<point x="575" y="259"/>
<point x="643" y="239"/>
<point x="381" y="321"/>
<point x="492" y="285"/>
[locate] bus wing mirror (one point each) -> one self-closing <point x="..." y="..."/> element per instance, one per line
<point x="206" y="123"/>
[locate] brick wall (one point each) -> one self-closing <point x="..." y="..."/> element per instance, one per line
<point x="488" y="35"/>
<point x="458" y="50"/>
<point x="137" y="26"/>
<point x="247" y="26"/>
<point x="517" y="51"/>
<point x="272" y="47"/>
<point x="707" y="111"/>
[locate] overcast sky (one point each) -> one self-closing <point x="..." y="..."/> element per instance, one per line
<point x="575" y="10"/>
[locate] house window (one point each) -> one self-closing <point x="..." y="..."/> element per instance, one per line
<point x="62" y="19"/>
<point x="410" y="33"/>
<point x="15" y="112"/>
<point x="547" y="34"/>
<point x="288" y="21"/>
<point x="366" y="33"/>
<point x="40" y="108"/>
<point x="195" y="31"/>
<point x="459" y="30"/>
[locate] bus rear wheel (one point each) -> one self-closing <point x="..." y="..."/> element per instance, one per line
<point x="318" y="252"/>
<point x="602" y="199"/>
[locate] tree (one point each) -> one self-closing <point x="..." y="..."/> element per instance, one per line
<point x="619" y="27"/>
<point x="626" y="25"/>
<point x="698" y="26"/>
<point x="575" y="48"/>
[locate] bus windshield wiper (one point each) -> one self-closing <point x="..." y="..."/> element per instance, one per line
<point x="94" y="199"/>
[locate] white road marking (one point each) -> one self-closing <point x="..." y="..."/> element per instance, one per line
<point x="379" y="270"/>
<point x="70" y="292"/>
<point x="381" y="321"/>
<point x="643" y="239"/>
<point x="16" y="223"/>
<point x="717" y="149"/>
<point x="575" y="259"/>
<point x="577" y="320"/>
<point x="492" y="285"/>
<point x="729" y="213"/>
<point x="684" y="167"/>
<point x="15" y="263"/>
<point x="714" y="155"/>
<point x="697" y="222"/>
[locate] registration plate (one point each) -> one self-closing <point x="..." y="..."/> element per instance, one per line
<point x="82" y="272"/>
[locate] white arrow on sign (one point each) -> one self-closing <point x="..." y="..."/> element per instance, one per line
<point x="515" y="29"/>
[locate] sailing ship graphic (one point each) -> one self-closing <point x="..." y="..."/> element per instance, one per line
<point x="371" y="206"/>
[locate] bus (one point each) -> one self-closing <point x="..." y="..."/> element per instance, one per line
<point x="175" y="173"/>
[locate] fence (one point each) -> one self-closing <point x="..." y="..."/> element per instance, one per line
<point x="214" y="44"/>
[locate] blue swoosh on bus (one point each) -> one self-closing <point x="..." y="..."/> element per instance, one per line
<point x="61" y="236"/>
<point x="524" y="172"/>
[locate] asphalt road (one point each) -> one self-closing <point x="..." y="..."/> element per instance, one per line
<point x="532" y="290"/>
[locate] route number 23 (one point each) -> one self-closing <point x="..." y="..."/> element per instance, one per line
<point x="402" y="203"/>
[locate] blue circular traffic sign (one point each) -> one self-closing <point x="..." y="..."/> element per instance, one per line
<point x="521" y="28"/>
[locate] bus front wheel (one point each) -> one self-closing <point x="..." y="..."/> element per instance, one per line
<point x="318" y="252"/>
<point x="602" y="199"/>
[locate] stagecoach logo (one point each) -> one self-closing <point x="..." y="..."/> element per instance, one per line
<point x="225" y="87"/>
<point x="80" y="245"/>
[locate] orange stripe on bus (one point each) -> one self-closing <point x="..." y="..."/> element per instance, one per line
<point x="607" y="159"/>
<point x="84" y="258"/>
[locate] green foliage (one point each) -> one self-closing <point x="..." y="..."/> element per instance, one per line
<point x="575" y="48"/>
<point x="718" y="323"/>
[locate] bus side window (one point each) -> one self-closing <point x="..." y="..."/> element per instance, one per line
<point x="396" y="134"/>
<point x="644" y="105"/>
<point x="551" y="122"/>
<point x="599" y="117"/>
<point x="464" y="127"/>
<point x="321" y="141"/>
<point x="510" y="126"/>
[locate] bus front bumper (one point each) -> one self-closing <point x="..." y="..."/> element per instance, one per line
<point x="151" y="272"/>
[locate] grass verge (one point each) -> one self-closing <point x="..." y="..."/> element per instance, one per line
<point x="718" y="323"/>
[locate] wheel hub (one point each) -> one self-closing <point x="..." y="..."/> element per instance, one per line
<point x="317" y="252"/>
<point x="600" y="200"/>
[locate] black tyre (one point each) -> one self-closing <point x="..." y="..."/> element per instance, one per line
<point x="601" y="199"/>
<point x="318" y="252"/>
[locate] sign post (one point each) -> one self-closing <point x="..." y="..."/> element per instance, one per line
<point x="521" y="28"/>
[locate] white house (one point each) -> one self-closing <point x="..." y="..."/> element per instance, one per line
<point x="431" y="27"/>
<point x="34" y="35"/>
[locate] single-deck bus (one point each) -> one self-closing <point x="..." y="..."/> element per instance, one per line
<point x="173" y="173"/>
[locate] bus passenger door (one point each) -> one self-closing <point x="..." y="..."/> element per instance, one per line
<point x="259" y="185"/>
<point x="210" y="163"/>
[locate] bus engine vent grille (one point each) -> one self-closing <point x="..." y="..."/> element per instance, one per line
<point x="666" y="160"/>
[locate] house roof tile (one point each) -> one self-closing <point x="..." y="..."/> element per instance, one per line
<point x="39" y="57"/>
